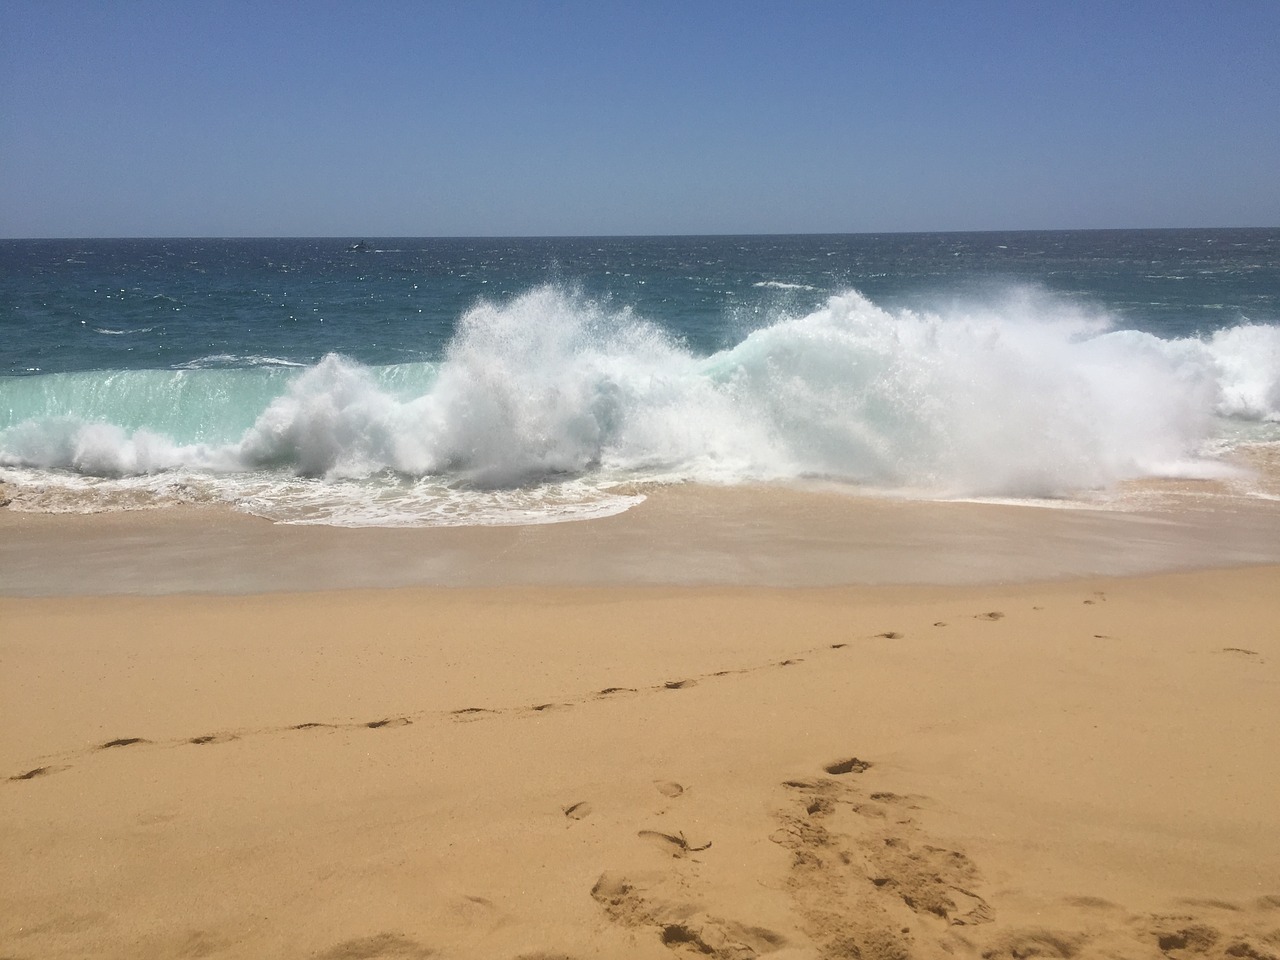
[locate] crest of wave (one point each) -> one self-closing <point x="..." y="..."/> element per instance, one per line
<point x="546" y="385"/>
<point x="1027" y="398"/>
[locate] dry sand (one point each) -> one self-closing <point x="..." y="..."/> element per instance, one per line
<point x="1084" y="768"/>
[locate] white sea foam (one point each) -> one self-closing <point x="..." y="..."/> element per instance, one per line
<point x="348" y="503"/>
<point x="1248" y="360"/>
<point x="234" y="361"/>
<point x="782" y="285"/>
<point x="108" y="332"/>
<point x="544" y="402"/>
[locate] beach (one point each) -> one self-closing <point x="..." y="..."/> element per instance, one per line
<point x="516" y="481"/>
<point x="603" y="760"/>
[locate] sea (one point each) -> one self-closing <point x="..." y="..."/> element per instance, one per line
<point x="418" y="382"/>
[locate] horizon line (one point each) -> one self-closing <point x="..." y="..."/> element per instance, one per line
<point x="625" y="236"/>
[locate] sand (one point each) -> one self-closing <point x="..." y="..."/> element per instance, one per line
<point x="1087" y="767"/>
<point x="683" y="534"/>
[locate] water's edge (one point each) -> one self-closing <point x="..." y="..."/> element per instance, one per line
<point x="679" y="536"/>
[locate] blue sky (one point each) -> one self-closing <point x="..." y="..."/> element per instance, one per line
<point x="494" y="118"/>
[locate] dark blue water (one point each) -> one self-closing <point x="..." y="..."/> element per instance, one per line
<point x="68" y="305"/>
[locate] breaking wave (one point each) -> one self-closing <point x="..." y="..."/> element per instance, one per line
<point x="550" y="391"/>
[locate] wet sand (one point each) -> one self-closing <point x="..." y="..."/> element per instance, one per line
<point x="680" y="535"/>
<point x="623" y="763"/>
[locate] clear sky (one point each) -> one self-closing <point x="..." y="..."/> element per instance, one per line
<point x="481" y="117"/>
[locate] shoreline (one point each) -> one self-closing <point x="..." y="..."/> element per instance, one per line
<point x="681" y="535"/>
<point x="1081" y="766"/>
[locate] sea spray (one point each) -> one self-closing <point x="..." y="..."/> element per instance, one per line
<point x="1247" y="358"/>
<point x="1027" y="403"/>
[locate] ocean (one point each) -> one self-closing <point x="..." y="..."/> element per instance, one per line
<point x="417" y="382"/>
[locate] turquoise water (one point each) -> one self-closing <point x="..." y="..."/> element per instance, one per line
<point x="430" y="381"/>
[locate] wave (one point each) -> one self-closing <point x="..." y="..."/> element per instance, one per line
<point x="1028" y="397"/>
<point x="782" y="285"/>
<point x="235" y="361"/>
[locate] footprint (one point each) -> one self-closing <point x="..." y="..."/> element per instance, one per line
<point x="613" y="889"/>
<point x="122" y="742"/>
<point x="678" y="684"/>
<point x="995" y="615"/>
<point x="940" y="623"/>
<point x="1206" y="903"/>
<point x="789" y="663"/>
<point x="474" y="911"/>
<point x="803" y="784"/>
<point x="1035" y="943"/>
<point x="838" y="646"/>
<point x="610" y="691"/>
<point x="389" y="722"/>
<point x="851" y="765"/>
<point x="890" y="635"/>
<point x="895" y="799"/>
<point x="872" y="891"/>
<point x="930" y="880"/>
<point x="35" y="772"/>
<point x="1247" y="951"/>
<point x="213" y="738"/>
<point x="819" y="807"/>
<point x="1092" y="903"/>
<point x="391" y="946"/>
<point x="1196" y="938"/>
<point x="716" y="937"/>
<point x="684" y="927"/>
<point x="310" y="726"/>
<point x="1240" y="650"/>
<point x="669" y="788"/>
<point x="578" y="811"/>
<point x="678" y="933"/>
<point x="674" y="843"/>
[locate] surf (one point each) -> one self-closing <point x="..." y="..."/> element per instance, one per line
<point x="1025" y="395"/>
